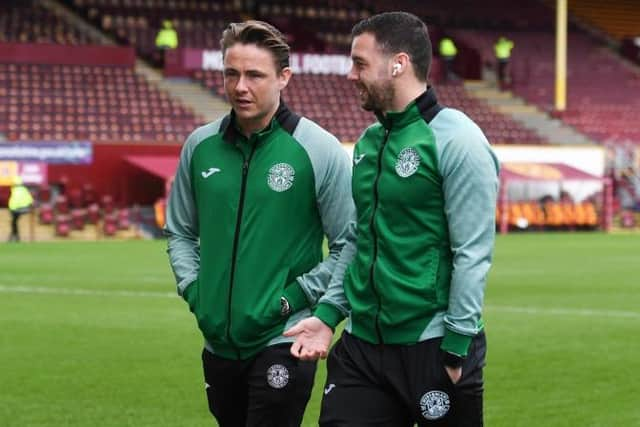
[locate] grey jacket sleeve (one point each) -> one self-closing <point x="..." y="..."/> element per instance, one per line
<point x="182" y="228"/>
<point x="469" y="170"/>
<point x="332" y="171"/>
<point x="333" y="306"/>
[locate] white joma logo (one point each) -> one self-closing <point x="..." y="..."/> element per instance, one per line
<point x="359" y="158"/>
<point x="329" y="388"/>
<point x="211" y="171"/>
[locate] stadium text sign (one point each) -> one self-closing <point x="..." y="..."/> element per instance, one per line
<point x="305" y="63"/>
<point x="72" y="152"/>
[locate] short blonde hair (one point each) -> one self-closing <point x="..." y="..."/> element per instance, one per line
<point x="261" y="34"/>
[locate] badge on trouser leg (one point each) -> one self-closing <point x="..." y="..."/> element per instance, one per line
<point x="277" y="376"/>
<point x="434" y="404"/>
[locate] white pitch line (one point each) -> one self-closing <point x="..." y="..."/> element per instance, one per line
<point x="586" y="312"/>
<point x="89" y="292"/>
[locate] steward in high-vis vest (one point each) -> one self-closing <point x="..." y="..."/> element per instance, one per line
<point x="502" y="50"/>
<point x="167" y="37"/>
<point x="448" y="52"/>
<point x="20" y="201"/>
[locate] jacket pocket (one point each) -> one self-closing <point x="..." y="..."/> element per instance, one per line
<point x="256" y="307"/>
<point x="411" y="290"/>
<point x="418" y="278"/>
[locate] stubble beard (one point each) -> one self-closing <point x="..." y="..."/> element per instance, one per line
<point x="378" y="97"/>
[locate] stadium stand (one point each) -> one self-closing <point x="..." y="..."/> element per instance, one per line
<point x="604" y="93"/>
<point x="114" y="104"/>
<point x="28" y="21"/>
<point x="550" y="215"/>
<point x="66" y="102"/>
<point x="489" y="14"/>
<point x="199" y="23"/>
<point x="331" y="100"/>
<point x="311" y="27"/>
<point x="314" y="27"/>
<point x="618" y="19"/>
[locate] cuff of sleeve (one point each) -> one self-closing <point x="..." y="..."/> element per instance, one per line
<point x="329" y="315"/>
<point x="296" y="297"/>
<point x="184" y="284"/>
<point x="455" y="343"/>
<point x="189" y="293"/>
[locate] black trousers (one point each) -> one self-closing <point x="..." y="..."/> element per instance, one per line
<point x="399" y="385"/>
<point x="503" y="68"/>
<point x="15" y="235"/>
<point x="448" y="68"/>
<point x="270" y="389"/>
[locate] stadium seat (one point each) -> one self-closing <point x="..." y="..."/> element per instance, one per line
<point x="62" y="224"/>
<point x="110" y="225"/>
<point x="78" y="218"/>
<point x="123" y="222"/>
<point x="61" y="205"/>
<point x="93" y="213"/>
<point x="81" y="102"/>
<point x="45" y="213"/>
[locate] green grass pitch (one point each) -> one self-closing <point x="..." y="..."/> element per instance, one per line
<point x="91" y="334"/>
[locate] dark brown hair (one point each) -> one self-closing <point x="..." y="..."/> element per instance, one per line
<point x="397" y="32"/>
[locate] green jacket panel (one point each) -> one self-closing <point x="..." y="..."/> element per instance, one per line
<point x="260" y="227"/>
<point x="422" y="251"/>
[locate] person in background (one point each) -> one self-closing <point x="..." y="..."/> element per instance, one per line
<point x="20" y="202"/>
<point x="502" y="49"/>
<point x="253" y="198"/>
<point x="167" y="38"/>
<point x="448" y="52"/>
<point x="425" y="185"/>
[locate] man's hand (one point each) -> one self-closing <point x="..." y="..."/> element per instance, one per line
<point x="313" y="338"/>
<point x="454" y="373"/>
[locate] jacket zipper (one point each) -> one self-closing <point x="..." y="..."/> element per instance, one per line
<point x="375" y="234"/>
<point x="236" y="239"/>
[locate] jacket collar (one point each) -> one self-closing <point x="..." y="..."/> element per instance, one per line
<point x="424" y="106"/>
<point x="287" y="119"/>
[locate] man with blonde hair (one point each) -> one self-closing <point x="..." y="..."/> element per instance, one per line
<point x="255" y="194"/>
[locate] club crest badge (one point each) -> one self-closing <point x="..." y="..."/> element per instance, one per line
<point x="434" y="404"/>
<point x="407" y="162"/>
<point x="281" y="177"/>
<point x="277" y="376"/>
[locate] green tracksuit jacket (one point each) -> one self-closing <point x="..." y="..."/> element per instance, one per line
<point x="246" y="219"/>
<point x="425" y="184"/>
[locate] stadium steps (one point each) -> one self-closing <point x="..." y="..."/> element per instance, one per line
<point x="554" y="130"/>
<point x="192" y="94"/>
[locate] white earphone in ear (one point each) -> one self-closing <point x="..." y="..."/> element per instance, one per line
<point x="396" y="68"/>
